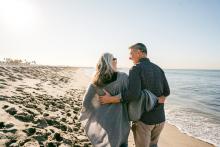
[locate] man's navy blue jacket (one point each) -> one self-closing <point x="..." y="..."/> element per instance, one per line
<point x="147" y="75"/>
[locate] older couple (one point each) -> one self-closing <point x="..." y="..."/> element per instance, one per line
<point x="105" y="115"/>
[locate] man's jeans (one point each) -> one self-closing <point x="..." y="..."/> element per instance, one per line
<point x="146" y="135"/>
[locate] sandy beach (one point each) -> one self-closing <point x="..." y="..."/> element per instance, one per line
<point x="40" y="105"/>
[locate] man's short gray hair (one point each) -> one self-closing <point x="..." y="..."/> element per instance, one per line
<point x="139" y="46"/>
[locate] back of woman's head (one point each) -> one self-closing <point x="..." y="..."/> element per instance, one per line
<point x="104" y="69"/>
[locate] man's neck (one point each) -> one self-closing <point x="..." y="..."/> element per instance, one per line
<point x="142" y="57"/>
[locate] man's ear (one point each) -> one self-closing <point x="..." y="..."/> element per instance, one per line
<point x="140" y="54"/>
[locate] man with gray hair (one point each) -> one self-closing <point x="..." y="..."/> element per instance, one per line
<point x="144" y="75"/>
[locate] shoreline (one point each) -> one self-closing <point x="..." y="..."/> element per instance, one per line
<point x="184" y="140"/>
<point x="181" y="139"/>
<point x="31" y="91"/>
<point x="190" y="135"/>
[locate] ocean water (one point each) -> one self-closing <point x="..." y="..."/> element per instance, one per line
<point x="194" y="104"/>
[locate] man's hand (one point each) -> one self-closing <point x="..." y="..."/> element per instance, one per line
<point x="161" y="99"/>
<point x="108" y="99"/>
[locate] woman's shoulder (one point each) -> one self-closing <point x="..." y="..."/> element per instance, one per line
<point x="122" y="75"/>
<point x="91" y="87"/>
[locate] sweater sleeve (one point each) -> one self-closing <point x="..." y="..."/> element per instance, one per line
<point x="88" y="96"/>
<point x="87" y="106"/>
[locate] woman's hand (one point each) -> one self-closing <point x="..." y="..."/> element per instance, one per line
<point x="108" y="99"/>
<point x="161" y="99"/>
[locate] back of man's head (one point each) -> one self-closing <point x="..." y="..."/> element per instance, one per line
<point x="139" y="46"/>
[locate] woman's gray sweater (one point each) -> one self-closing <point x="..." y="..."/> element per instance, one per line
<point x="106" y="125"/>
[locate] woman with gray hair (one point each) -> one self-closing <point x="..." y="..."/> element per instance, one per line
<point x="106" y="125"/>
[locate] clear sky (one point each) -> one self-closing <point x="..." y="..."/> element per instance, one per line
<point x="178" y="33"/>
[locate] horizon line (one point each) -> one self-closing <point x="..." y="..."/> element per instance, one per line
<point x="118" y="67"/>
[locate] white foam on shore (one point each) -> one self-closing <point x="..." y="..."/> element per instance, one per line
<point x="194" y="124"/>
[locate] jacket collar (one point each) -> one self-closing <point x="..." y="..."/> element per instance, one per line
<point x="144" y="59"/>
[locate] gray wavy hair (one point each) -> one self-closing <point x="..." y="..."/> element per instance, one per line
<point x="104" y="69"/>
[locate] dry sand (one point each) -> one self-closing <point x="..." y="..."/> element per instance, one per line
<point x="40" y="105"/>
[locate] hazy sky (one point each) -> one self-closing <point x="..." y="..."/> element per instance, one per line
<point x="178" y="33"/>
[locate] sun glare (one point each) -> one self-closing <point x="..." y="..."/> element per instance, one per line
<point x="17" y="15"/>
